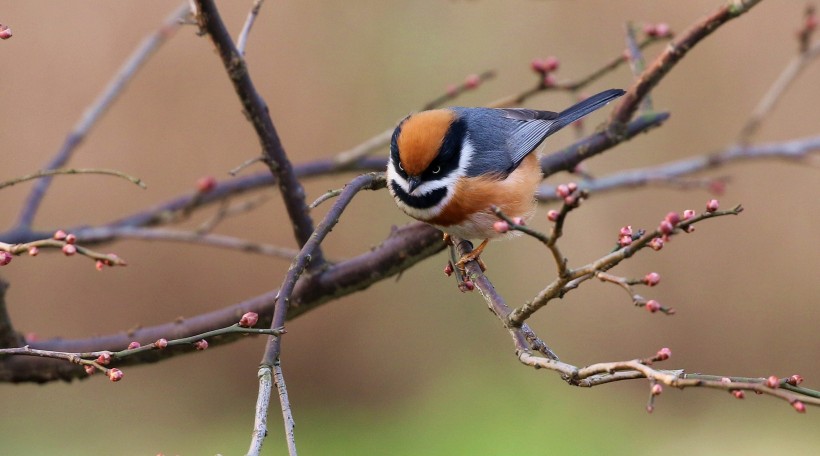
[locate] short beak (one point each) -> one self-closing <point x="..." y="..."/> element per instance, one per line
<point x="414" y="182"/>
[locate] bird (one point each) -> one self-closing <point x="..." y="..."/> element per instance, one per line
<point x="448" y="167"/>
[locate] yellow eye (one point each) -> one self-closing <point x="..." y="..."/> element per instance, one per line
<point x="437" y="170"/>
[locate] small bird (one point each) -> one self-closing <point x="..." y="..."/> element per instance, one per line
<point x="448" y="166"/>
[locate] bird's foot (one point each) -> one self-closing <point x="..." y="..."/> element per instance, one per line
<point x="474" y="255"/>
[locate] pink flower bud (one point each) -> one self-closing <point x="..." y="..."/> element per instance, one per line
<point x="795" y="380"/>
<point x="89" y="369"/>
<point x="201" y="344"/>
<point x="652" y="279"/>
<point x="653" y="306"/>
<point x="663" y="354"/>
<point x="657" y="389"/>
<point x="672" y="218"/>
<point x="249" y="320"/>
<point x="468" y="285"/>
<point x="799" y="406"/>
<point x="551" y="63"/>
<point x="452" y="90"/>
<point x="738" y="394"/>
<point x="539" y="65"/>
<point x="448" y="270"/>
<point x="549" y="80"/>
<point x="5" y="32"/>
<point x="133" y="345"/>
<point x="104" y="359"/>
<point x="33" y="250"/>
<point x="773" y="381"/>
<point x="666" y="227"/>
<point x="656" y="243"/>
<point x="688" y="213"/>
<point x="161" y="343"/>
<point x="624" y="241"/>
<point x="650" y="30"/>
<point x="69" y="249"/>
<point x="562" y="191"/>
<point x="519" y="221"/>
<point x="59" y="235"/>
<point x="626" y="231"/>
<point x="100" y="265"/>
<point x="717" y="187"/>
<point x="5" y="258"/>
<point x="662" y="30"/>
<point x="70" y="238"/>
<point x="810" y="25"/>
<point x="712" y="205"/>
<point x="472" y="81"/>
<point x="114" y="375"/>
<point x="572" y="186"/>
<point x="552" y="215"/>
<point x="205" y="184"/>
<point x="501" y="226"/>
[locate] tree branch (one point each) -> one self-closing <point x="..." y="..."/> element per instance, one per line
<point x="257" y="112"/>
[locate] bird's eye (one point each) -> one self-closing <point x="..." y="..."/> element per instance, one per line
<point x="437" y="170"/>
<point x="401" y="167"/>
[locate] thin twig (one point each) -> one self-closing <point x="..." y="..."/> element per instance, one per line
<point x="64" y="172"/>
<point x="673" y="54"/>
<point x="192" y="237"/>
<point x="558" y="287"/>
<point x="776" y="91"/>
<point x="371" y="181"/>
<point x="99" y="107"/>
<point x="242" y="40"/>
<point x="287" y="415"/>
<point x="260" y="416"/>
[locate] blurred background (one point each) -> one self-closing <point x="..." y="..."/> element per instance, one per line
<point x="409" y="366"/>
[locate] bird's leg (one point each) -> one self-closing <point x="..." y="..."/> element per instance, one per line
<point x="473" y="256"/>
<point x="448" y="240"/>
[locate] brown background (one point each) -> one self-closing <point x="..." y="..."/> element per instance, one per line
<point x="334" y="73"/>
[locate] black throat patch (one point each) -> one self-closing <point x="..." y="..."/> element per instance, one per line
<point x="426" y="201"/>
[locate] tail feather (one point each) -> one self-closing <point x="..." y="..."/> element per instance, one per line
<point x="585" y="107"/>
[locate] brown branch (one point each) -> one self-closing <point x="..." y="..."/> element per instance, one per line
<point x="673" y="54"/>
<point x="405" y="247"/>
<point x="8" y="336"/>
<point x="257" y="112"/>
<point x="568" y="158"/>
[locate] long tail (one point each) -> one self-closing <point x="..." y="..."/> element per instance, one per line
<point x="585" y="107"/>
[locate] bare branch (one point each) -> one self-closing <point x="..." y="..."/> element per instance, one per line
<point x="676" y="50"/>
<point x="257" y="112"/>
<point x="104" y="101"/>
<point x="55" y="172"/>
<point x="795" y="150"/>
<point x="242" y="40"/>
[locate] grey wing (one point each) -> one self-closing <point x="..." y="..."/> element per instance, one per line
<point x="529" y="128"/>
